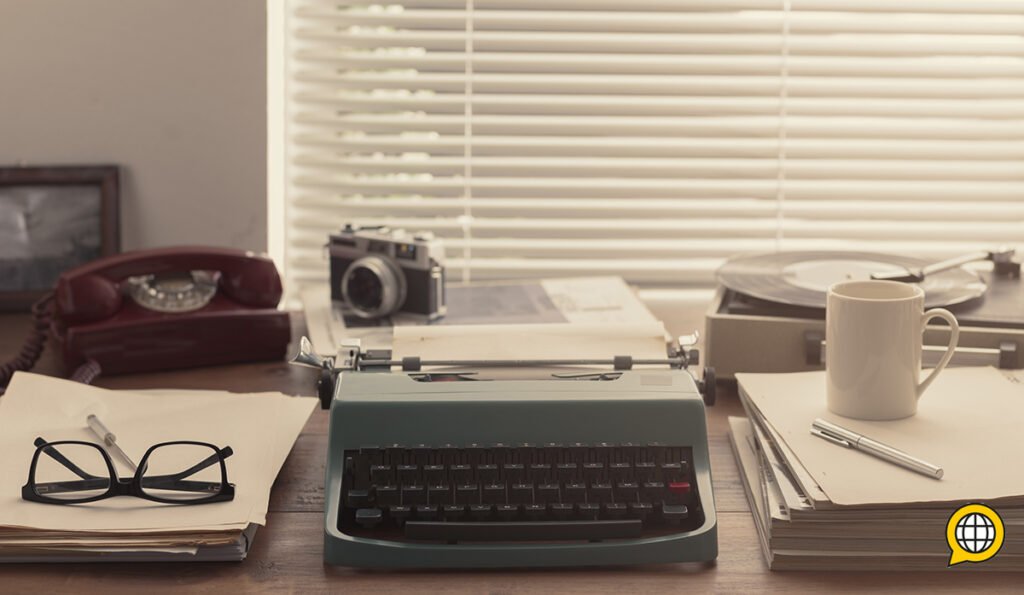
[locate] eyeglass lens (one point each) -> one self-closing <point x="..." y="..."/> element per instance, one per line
<point x="182" y="472"/>
<point x="86" y="476"/>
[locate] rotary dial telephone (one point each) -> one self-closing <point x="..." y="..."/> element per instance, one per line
<point x="161" y="309"/>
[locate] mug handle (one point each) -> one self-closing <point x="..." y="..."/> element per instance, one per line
<point x="954" y="336"/>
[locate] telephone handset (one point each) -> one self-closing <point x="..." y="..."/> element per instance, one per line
<point x="177" y="275"/>
<point x="162" y="309"/>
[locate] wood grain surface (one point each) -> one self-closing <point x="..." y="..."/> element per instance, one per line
<point x="287" y="555"/>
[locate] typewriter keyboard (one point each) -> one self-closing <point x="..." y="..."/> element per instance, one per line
<point x="531" y="492"/>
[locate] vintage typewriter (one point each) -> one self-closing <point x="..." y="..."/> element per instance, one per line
<point x="458" y="469"/>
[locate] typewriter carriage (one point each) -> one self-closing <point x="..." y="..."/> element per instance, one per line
<point x="351" y="357"/>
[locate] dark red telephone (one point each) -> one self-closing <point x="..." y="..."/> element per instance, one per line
<point x="163" y="309"/>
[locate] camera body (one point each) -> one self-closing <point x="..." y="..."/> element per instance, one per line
<point x="377" y="272"/>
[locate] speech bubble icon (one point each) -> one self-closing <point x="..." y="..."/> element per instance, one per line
<point x="959" y="555"/>
<point x="974" y="533"/>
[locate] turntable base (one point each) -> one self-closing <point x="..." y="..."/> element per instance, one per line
<point x="744" y="333"/>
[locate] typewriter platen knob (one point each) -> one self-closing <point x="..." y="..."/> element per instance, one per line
<point x="706" y="386"/>
<point x="325" y="387"/>
<point x="308" y="357"/>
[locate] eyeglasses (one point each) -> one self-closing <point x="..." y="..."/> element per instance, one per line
<point x="75" y="472"/>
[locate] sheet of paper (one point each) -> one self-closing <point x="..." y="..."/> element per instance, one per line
<point x="323" y="324"/>
<point x="597" y="299"/>
<point x="531" y="341"/>
<point x="740" y="434"/>
<point x="968" y="422"/>
<point x="292" y="418"/>
<point x="260" y="428"/>
<point x="584" y="300"/>
<point x="791" y="495"/>
<point x="780" y="454"/>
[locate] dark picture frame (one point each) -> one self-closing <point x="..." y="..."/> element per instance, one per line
<point x="102" y="229"/>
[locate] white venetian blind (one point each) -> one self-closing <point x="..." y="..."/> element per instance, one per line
<point x="654" y="138"/>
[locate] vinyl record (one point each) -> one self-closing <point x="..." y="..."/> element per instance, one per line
<point x="803" y="278"/>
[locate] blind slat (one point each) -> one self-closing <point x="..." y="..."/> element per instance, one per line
<point x="674" y="22"/>
<point x="807" y="148"/>
<point x="570" y="105"/>
<point x="663" y="146"/>
<point x="883" y="6"/>
<point x="632" y="188"/>
<point x="508" y="62"/>
<point x="585" y="5"/>
<point x="654" y="168"/>
<point x="690" y="43"/>
<point x="751" y="86"/>
<point x="739" y="126"/>
<point x="324" y="206"/>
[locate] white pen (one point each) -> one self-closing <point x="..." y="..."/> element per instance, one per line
<point x="109" y="439"/>
<point x="850" y="439"/>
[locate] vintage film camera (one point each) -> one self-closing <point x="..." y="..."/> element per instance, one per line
<point x="377" y="272"/>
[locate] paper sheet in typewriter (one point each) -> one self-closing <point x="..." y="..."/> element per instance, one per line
<point x="531" y="341"/>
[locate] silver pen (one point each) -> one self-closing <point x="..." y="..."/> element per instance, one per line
<point x="850" y="439"/>
<point x="109" y="439"/>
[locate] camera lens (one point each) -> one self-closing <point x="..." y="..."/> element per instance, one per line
<point x="373" y="287"/>
<point x="365" y="289"/>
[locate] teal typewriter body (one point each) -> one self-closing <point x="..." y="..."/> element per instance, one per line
<point x="442" y="471"/>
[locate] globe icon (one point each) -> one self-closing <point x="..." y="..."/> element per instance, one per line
<point x="975" y="533"/>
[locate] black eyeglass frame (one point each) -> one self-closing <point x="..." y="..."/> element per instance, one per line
<point x="132" y="486"/>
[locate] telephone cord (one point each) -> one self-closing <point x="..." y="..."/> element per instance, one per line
<point x="32" y="349"/>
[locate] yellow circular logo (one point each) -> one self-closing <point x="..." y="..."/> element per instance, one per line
<point x="974" y="533"/>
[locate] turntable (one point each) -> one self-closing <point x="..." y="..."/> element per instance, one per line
<point x="768" y="314"/>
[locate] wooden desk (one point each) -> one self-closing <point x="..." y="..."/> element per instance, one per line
<point x="287" y="554"/>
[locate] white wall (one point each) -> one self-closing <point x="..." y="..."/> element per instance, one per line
<point x="173" y="91"/>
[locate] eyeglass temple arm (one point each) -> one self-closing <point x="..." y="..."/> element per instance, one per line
<point x="55" y="454"/>
<point x="58" y="487"/>
<point x="162" y="483"/>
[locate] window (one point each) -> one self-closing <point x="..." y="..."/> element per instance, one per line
<point x="654" y="138"/>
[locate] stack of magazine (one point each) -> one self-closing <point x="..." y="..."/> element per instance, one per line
<point x="819" y="506"/>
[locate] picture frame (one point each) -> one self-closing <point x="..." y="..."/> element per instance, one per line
<point x="52" y="219"/>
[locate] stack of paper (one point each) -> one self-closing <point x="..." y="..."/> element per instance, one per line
<point x="260" y="429"/>
<point x="818" y="505"/>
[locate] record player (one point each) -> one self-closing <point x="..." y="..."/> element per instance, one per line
<point x="768" y="314"/>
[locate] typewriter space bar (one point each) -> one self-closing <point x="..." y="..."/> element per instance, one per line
<point x="525" y="531"/>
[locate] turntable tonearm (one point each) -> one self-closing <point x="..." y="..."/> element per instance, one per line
<point x="768" y="314"/>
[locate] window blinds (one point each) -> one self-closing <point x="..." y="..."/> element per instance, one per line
<point x="654" y="138"/>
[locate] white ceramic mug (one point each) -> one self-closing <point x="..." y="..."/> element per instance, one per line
<point x="873" y="336"/>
